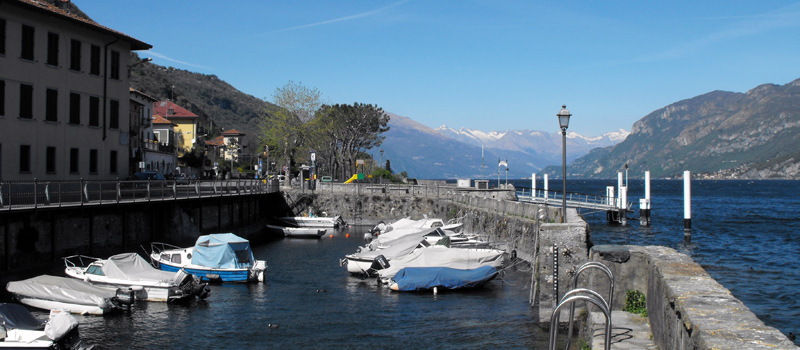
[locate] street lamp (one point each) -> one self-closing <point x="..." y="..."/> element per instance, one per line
<point x="563" y="122"/>
<point x="381" y="167"/>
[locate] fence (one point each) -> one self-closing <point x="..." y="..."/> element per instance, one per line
<point x="20" y="195"/>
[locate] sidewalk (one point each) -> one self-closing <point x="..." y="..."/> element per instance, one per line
<point x="628" y="331"/>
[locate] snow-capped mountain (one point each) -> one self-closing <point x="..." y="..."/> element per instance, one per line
<point x="445" y="153"/>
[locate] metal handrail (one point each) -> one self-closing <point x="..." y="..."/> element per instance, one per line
<point x="601" y="304"/>
<point x="609" y="303"/>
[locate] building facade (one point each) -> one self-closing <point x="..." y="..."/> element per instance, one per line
<point x="64" y="95"/>
<point x="185" y="124"/>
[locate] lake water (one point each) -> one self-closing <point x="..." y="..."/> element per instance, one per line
<point x="742" y="234"/>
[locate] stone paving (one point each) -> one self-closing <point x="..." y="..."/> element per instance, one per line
<point x="628" y="331"/>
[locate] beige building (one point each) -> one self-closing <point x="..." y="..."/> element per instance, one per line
<point x="64" y="95"/>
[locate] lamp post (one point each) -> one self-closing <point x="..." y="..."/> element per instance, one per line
<point x="563" y="122"/>
<point x="381" y="167"/>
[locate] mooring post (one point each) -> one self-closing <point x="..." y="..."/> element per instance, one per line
<point x="611" y="214"/>
<point x="644" y="203"/>
<point x="622" y="208"/>
<point x="533" y="186"/>
<point x="546" y="193"/>
<point x="687" y="202"/>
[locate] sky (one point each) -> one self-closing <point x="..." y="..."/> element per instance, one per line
<point x="485" y="65"/>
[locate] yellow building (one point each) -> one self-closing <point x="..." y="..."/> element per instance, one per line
<point x="185" y="124"/>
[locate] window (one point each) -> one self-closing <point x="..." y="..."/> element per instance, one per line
<point x="75" y="55"/>
<point x="73" y="160"/>
<point x="52" y="49"/>
<point x="114" y="115"/>
<point x="50" y="164"/>
<point x="74" y="108"/>
<point x="94" y="64"/>
<point x="27" y="43"/>
<point x="94" y="111"/>
<point x="2" y="97"/>
<point x="51" y="106"/>
<point x="93" y="161"/>
<point x="115" y="65"/>
<point x="24" y="158"/>
<point x="112" y="162"/>
<point x="2" y="36"/>
<point x="26" y="101"/>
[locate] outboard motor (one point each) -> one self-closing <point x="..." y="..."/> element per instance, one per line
<point x="125" y="296"/>
<point x="379" y="263"/>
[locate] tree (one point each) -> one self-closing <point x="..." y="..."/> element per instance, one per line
<point x="348" y="130"/>
<point x="287" y="127"/>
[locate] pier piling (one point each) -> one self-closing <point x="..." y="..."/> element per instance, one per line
<point x="644" y="203"/>
<point x="687" y="202"/>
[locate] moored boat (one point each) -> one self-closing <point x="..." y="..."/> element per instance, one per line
<point x="424" y="278"/>
<point x="443" y="256"/>
<point x="313" y="221"/>
<point x="219" y="257"/>
<point x="129" y="270"/>
<point x="300" y="232"/>
<point x="61" y="293"/>
<point x="19" y="329"/>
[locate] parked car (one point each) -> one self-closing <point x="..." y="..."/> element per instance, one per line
<point x="148" y="175"/>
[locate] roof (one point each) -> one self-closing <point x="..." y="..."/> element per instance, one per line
<point x="157" y="119"/>
<point x="87" y="23"/>
<point x="142" y="94"/>
<point x="163" y="108"/>
<point x="232" y="132"/>
<point x="217" y="141"/>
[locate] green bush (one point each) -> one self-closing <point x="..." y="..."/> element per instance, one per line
<point x="635" y="303"/>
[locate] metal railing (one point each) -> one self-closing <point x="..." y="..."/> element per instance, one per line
<point x="426" y="191"/>
<point x="578" y="200"/>
<point x="24" y="195"/>
<point x="584" y="294"/>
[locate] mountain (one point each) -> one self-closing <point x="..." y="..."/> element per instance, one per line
<point x="219" y="105"/>
<point x="720" y="134"/>
<point x="445" y="153"/>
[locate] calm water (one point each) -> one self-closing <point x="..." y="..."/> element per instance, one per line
<point x="318" y="305"/>
<point x="743" y="235"/>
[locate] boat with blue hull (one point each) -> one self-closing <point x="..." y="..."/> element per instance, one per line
<point x="220" y="257"/>
<point x="424" y="278"/>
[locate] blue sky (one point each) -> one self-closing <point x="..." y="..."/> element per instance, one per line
<point x="487" y="65"/>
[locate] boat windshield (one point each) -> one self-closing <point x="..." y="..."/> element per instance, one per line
<point x="95" y="270"/>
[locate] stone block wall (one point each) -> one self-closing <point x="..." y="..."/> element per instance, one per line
<point x="687" y="309"/>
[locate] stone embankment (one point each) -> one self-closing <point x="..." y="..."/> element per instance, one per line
<point x="687" y="309"/>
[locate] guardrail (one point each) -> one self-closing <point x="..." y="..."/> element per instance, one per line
<point x="580" y="200"/>
<point x="20" y="195"/>
<point x="427" y="191"/>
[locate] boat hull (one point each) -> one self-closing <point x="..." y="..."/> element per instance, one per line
<point x="210" y="275"/>
<point x="69" y="307"/>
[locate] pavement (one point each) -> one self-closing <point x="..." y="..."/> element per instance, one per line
<point x="628" y="331"/>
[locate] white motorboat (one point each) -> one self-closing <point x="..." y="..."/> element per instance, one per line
<point x="367" y="260"/>
<point x="61" y="293"/>
<point x="300" y="232"/>
<point x="313" y="221"/>
<point x="407" y="225"/>
<point x="129" y="270"/>
<point x="19" y="329"/>
<point x="219" y="257"/>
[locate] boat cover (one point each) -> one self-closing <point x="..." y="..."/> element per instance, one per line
<point x="223" y="251"/>
<point x="441" y="256"/>
<point x="132" y="267"/>
<point x="420" y="278"/>
<point x="389" y="239"/>
<point x="399" y="248"/>
<point x="66" y="290"/>
<point x="16" y="316"/>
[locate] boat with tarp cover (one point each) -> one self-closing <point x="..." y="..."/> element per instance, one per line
<point x="424" y="278"/>
<point x="19" y="329"/>
<point x="62" y="293"/>
<point x="219" y="257"/>
<point x="131" y="271"/>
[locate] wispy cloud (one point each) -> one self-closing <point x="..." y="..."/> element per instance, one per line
<point x="166" y="58"/>
<point x="787" y="17"/>
<point x="340" y="19"/>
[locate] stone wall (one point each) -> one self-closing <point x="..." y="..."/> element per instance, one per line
<point x="687" y="309"/>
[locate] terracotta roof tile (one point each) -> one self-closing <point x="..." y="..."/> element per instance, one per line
<point x="233" y="132"/>
<point x="157" y="119"/>
<point x="162" y="108"/>
<point x="217" y="141"/>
